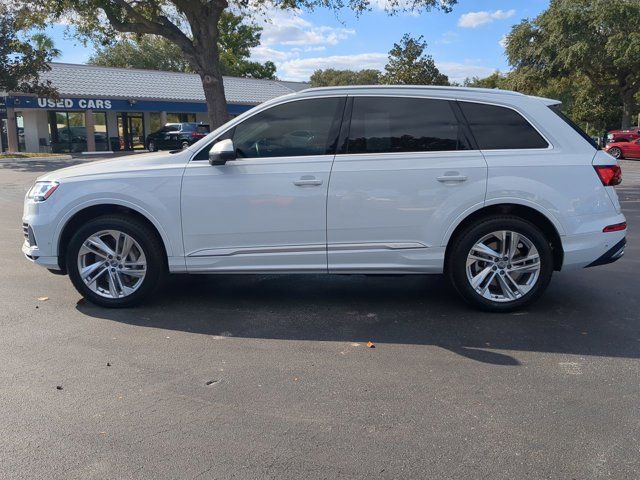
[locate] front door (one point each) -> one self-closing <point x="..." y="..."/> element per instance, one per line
<point x="266" y="210"/>
<point x="407" y="171"/>
<point x="131" y="131"/>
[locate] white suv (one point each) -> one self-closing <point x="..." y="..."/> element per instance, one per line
<point x="493" y="188"/>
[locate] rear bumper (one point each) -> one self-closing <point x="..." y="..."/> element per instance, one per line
<point x="614" y="253"/>
<point x="592" y="249"/>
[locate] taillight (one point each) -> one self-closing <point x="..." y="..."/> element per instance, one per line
<point x="610" y="175"/>
<point x="615" y="228"/>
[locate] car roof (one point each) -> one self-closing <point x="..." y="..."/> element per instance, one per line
<point x="441" y="91"/>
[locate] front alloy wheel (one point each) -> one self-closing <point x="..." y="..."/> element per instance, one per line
<point x="115" y="260"/>
<point x="112" y="264"/>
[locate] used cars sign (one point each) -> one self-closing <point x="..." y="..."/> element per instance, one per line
<point x="71" y="103"/>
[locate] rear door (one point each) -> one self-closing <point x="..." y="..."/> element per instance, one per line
<point x="406" y="170"/>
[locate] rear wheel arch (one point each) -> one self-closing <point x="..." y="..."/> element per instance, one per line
<point x="524" y="212"/>
<point x="82" y="216"/>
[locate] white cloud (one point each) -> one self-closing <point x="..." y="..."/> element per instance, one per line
<point x="457" y="72"/>
<point x="289" y="28"/>
<point x="448" y="37"/>
<point x="476" y="19"/>
<point x="302" y="68"/>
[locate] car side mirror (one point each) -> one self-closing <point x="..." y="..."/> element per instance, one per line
<point x="222" y="152"/>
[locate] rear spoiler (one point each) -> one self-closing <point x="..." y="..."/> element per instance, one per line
<point x="547" y="101"/>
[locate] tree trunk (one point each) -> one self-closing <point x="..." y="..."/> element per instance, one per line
<point x="204" y="28"/>
<point x="628" y="108"/>
<point x="214" y="94"/>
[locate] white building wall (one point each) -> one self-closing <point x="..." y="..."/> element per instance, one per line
<point x="36" y="127"/>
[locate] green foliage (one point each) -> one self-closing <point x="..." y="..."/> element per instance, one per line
<point x="23" y="59"/>
<point x="408" y="64"/>
<point x="153" y="52"/>
<point x="148" y="52"/>
<point x="594" y="43"/>
<point x="332" y="77"/>
<point x="495" y="80"/>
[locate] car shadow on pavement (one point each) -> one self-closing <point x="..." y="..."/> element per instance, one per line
<point x="421" y="310"/>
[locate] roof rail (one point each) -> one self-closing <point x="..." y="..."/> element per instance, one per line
<point x="412" y="87"/>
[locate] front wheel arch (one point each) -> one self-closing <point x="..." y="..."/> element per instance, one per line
<point x="88" y="213"/>
<point x="526" y="213"/>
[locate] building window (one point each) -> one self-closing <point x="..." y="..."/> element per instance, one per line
<point x="68" y="132"/>
<point x="155" y="121"/>
<point x="100" y="131"/>
<point x="181" y="117"/>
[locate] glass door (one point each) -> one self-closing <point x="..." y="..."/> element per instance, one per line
<point x="136" y="130"/>
<point x="131" y="131"/>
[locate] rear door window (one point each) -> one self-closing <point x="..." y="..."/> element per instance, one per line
<point x="500" y="128"/>
<point x="397" y="124"/>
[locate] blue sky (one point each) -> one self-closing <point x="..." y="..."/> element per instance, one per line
<point x="463" y="43"/>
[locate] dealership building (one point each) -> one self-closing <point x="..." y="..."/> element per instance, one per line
<point x="102" y="109"/>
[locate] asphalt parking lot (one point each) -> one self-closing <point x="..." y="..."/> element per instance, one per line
<point x="270" y="377"/>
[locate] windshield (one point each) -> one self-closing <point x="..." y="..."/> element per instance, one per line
<point x="583" y="134"/>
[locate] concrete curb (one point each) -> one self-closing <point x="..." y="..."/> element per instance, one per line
<point x="35" y="159"/>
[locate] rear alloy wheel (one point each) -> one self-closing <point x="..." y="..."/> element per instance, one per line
<point x="152" y="146"/>
<point x="185" y="144"/>
<point x="501" y="264"/>
<point x="115" y="261"/>
<point x="615" y="152"/>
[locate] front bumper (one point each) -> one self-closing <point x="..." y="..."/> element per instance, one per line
<point x="32" y="253"/>
<point x="38" y="226"/>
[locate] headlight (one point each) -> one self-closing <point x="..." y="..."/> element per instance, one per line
<point x="42" y="190"/>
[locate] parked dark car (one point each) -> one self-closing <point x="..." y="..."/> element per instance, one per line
<point x="175" y="136"/>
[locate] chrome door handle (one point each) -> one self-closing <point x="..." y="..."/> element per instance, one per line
<point x="452" y="178"/>
<point x="307" y="180"/>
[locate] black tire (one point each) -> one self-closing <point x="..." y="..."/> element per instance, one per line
<point x="184" y="145"/>
<point x="147" y="239"/>
<point x="615" y="152"/>
<point x="456" y="263"/>
<point x="151" y="146"/>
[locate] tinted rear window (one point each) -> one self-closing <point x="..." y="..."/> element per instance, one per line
<point x="556" y="109"/>
<point x="202" y="129"/>
<point x="500" y="128"/>
<point x="169" y="128"/>
<point x="392" y="124"/>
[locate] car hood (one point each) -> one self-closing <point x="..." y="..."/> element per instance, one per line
<point x="127" y="163"/>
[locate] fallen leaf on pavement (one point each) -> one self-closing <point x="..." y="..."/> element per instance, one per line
<point x="43" y="299"/>
<point x="371" y="344"/>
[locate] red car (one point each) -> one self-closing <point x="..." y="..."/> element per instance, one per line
<point x="630" y="149"/>
<point x="627" y="135"/>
